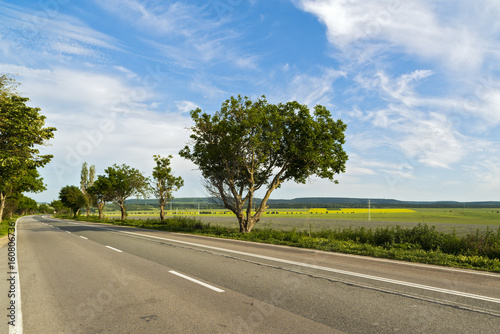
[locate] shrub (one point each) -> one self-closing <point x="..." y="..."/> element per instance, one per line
<point x="419" y="244"/>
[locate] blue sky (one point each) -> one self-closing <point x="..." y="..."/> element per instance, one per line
<point x="416" y="81"/>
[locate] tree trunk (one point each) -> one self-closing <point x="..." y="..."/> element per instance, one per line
<point x="124" y="211"/>
<point x="100" y="207"/>
<point x="245" y="224"/>
<point x="2" y="205"/>
<point x="162" y="201"/>
<point x="162" y="213"/>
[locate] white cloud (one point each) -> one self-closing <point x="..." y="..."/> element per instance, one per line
<point x="191" y="38"/>
<point x="126" y="71"/>
<point x="186" y="106"/>
<point x="485" y="104"/>
<point x="71" y="91"/>
<point x="102" y="119"/>
<point x="433" y="142"/>
<point x="312" y="90"/>
<point x="415" y="27"/>
<point x="487" y="173"/>
<point x="158" y="18"/>
<point x="53" y="31"/>
<point x="422" y="135"/>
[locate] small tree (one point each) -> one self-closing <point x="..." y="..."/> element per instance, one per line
<point x="125" y="181"/>
<point x="87" y="178"/>
<point x="22" y="180"/>
<point x="44" y="208"/>
<point x="58" y="206"/>
<point x="250" y="145"/>
<point x="101" y="193"/>
<point x="165" y="183"/>
<point x="73" y="198"/>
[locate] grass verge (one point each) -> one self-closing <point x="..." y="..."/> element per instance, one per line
<point x="4" y="226"/>
<point x="422" y="244"/>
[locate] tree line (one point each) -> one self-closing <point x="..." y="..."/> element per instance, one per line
<point x="118" y="183"/>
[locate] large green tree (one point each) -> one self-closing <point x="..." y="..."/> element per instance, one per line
<point x="125" y="181"/>
<point x="72" y="197"/>
<point x="26" y="205"/>
<point x="87" y="178"/>
<point x="164" y="182"/>
<point x="101" y="192"/>
<point x="22" y="131"/>
<point x="252" y="145"/>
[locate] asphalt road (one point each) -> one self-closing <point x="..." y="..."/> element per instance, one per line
<point x="93" y="278"/>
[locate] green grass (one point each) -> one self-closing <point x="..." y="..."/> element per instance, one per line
<point x="489" y="216"/>
<point x="421" y="243"/>
<point x="4" y="226"/>
<point x="447" y="220"/>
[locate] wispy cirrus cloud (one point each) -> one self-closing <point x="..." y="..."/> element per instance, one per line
<point x="311" y="90"/>
<point x="54" y="36"/>
<point x="29" y="23"/>
<point x="160" y="18"/>
<point x="190" y="36"/>
<point x="447" y="31"/>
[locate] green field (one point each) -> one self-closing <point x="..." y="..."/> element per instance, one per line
<point x="446" y="220"/>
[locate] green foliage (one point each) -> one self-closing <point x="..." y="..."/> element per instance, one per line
<point x="122" y="182"/>
<point x="26" y="205"/>
<point x="249" y="145"/>
<point x="101" y="192"/>
<point x="21" y="132"/>
<point x="21" y="129"/>
<point x="58" y="206"/>
<point x="165" y="183"/>
<point x="7" y="86"/>
<point x="4" y="226"/>
<point x="44" y="208"/>
<point x="73" y="198"/>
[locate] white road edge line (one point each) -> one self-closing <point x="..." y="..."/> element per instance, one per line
<point x="81" y="236"/>
<point x="311" y="266"/>
<point x="68" y="232"/>
<point x="196" y="281"/>
<point x="400" y="262"/>
<point x="115" y="249"/>
<point x="18" y="328"/>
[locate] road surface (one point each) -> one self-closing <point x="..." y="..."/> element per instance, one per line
<point x="93" y="278"/>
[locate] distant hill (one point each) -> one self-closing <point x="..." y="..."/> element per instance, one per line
<point x="318" y="202"/>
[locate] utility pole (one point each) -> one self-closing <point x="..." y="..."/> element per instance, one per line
<point x="369" y="211"/>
